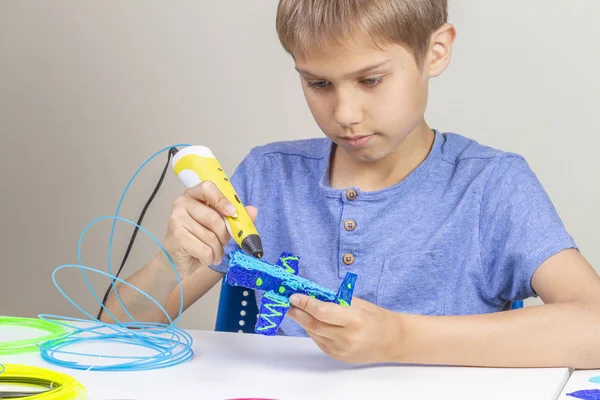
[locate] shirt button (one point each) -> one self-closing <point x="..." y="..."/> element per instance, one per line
<point x="348" y="259"/>
<point x="351" y="194"/>
<point x="350" y="225"/>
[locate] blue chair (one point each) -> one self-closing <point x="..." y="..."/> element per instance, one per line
<point x="516" y="305"/>
<point x="237" y="311"/>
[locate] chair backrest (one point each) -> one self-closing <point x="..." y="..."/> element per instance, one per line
<point x="237" y="311"/>
<point x="516" y="305"/>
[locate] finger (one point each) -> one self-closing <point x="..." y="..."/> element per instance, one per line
<point x="206" y="236"/>
<point x="205" y="216"/>
<point x="361" y="304"/>
<point x="329" y="313"/>
<point x="195" y="248"/>
<point x="252" y="212"/>
<point x="210" y="194"/>
<point x="313" y="326"/>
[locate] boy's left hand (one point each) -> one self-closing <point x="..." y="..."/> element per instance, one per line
<point x="362" y="333"/>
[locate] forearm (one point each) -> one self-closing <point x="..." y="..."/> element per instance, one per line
<point x="563" y="334"/>
<point x="157" y="279"/>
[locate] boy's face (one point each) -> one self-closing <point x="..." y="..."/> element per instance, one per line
<point x="366" y="99"/>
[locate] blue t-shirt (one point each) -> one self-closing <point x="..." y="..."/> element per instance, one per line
<point x="462" y="234"/>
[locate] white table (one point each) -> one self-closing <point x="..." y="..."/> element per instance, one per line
<point x="580" y="380"/>
<point x="228" y="365"/>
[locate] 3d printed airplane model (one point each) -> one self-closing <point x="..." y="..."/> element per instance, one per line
<point x="279" y="282"/>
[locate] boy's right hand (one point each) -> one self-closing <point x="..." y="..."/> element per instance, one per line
<point x="196" y="234"/>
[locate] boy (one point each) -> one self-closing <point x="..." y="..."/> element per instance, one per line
<point x="444" y="233"/>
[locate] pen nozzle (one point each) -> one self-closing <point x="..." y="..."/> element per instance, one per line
<point x="253" y="246"/>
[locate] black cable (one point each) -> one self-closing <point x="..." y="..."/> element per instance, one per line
<point x="172" y="152"/>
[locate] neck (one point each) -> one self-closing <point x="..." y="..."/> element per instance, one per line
<point x="389" y="171"/>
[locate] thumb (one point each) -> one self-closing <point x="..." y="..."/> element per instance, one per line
<point x="252" y="212"/>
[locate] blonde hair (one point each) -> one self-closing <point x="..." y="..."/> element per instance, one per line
<point x="306" y="27"/>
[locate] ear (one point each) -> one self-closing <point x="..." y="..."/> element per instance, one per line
<point x="440" y="49"/>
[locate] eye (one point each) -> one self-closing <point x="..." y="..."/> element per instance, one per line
<point x="318" y="84"/>
<point x="372" y="81"/>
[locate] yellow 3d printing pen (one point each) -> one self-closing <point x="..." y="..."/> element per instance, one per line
<point x="195" y="164"/>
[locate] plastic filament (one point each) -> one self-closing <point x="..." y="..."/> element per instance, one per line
<point x="53" y="331"/>
<point x="50" y="385"/>
<point x="162" y="345"/>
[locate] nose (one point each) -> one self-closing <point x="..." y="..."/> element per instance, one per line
<point x="348" y="110"/>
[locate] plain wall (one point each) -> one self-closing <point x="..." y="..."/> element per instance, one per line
<point x="89" y="90"/>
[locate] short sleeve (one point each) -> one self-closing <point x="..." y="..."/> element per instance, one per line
<point x="242" y="180"/>
<point x="519" y="229"/>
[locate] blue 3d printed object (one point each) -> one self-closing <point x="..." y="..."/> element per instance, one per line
<point x="279" y="282"/>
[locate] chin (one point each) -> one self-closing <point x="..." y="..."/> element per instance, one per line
<point x="366" y="154"/>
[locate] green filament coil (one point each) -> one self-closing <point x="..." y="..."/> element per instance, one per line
<point x="51" y="329"/>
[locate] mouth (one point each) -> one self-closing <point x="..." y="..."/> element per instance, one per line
<point x="357" y="141"/>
